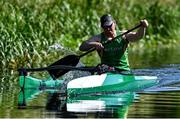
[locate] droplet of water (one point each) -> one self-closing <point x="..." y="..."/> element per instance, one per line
<point x="56" y="46"/>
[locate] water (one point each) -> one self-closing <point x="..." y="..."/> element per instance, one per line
<point x="160" y="101"/>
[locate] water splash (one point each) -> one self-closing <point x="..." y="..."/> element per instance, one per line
<point x="72" y="75"/>
<point x="56" y="46"/>
<point x="168" y="78"/>
<point x="59" y="47"/>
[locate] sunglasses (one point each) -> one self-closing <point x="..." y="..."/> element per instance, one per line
<point x="105" y="27"/>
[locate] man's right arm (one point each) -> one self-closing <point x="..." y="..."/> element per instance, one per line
<point x="94" y="41"/>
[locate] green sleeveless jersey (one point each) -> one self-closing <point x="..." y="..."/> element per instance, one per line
<point x="115" y="53"/>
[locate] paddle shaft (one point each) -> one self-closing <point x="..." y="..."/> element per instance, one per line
<point x="109" y="41"/>
<point x="62" y="67"/>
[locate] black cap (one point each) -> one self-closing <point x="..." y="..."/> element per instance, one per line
<point x="106" y="20"/>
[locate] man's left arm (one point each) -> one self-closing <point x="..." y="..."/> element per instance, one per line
<point x="135" y="36"/>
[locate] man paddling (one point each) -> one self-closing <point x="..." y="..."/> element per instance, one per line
<point x="114" y="54"/>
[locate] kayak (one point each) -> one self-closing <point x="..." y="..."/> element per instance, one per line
<point x="107" y="82"/>
<point x="110" y="82"/>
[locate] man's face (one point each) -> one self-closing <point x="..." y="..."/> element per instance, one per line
<point x="110" y="30"/>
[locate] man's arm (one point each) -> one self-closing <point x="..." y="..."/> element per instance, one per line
<point x="135" y="36"/>
<point x="94" y="41"/>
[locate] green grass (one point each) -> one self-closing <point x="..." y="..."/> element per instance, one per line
<point x="29" y="27"/>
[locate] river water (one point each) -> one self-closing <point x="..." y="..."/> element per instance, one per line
<point x="160" y="101"/>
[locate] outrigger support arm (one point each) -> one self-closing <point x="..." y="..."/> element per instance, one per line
<point x="23" y="71"/>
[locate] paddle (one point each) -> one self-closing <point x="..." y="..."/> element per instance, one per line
<point x="72" y="60"/>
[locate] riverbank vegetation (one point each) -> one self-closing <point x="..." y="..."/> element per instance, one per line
<point x="29" y="28"/>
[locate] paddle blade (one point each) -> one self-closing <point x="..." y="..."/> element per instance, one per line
<point x="70" y="60"/>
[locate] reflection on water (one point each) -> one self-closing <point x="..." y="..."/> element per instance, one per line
<point x="110" y="105"/>
<point x="157" y="57"/>
<point x="156" y="105"/>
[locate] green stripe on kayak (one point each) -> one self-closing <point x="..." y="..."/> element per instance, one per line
<point x="114" y="78"/>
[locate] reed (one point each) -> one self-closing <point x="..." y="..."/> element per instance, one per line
<point x="28" y="28"/>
